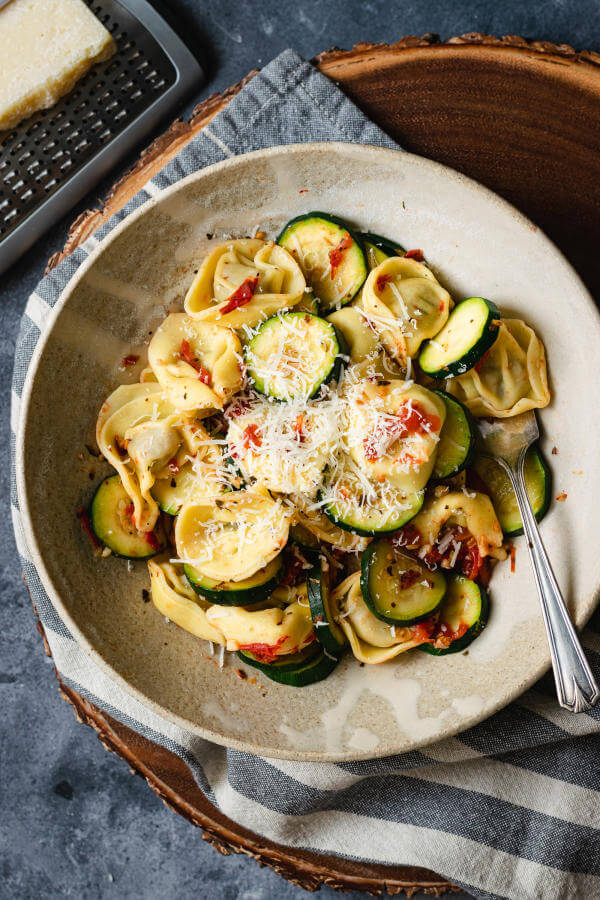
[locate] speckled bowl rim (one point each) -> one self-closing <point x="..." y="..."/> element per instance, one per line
<point x="584" y="611"/>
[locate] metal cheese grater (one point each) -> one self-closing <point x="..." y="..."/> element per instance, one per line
<point x="49" y="161"/>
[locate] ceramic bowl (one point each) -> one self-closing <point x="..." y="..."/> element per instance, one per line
<point x="477" y="245"/>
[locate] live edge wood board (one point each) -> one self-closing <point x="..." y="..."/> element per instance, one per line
<point x="521" y="117"/>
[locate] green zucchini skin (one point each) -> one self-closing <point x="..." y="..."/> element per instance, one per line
<point x="362" y="270"/>
<point x="458" y="429"/>
<point x="479" y="606"/>
<point x="235" y="479"/>
<point x="314" y="668"/>
<point x="237" y="593"/>
<point x="383" y="593"/>
<point x="538" y="482"/>
<point x="456" y="361"/>
<point x="375" y="242"/>
<point x="360" y="526"/>
<point x="304" y="538"/>
<point x="327" y="631"/>
<point x="113" y="530"/>
<point x="328" y="371"/>
<point x="309" y="303"/>
<point x="288" y="663"/>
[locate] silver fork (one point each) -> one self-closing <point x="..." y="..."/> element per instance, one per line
<point x="507" y="440"/>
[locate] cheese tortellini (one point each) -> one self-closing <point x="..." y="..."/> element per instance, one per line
<point x="288" y="629"/>
<point x="473" y="511"/>
<point x="270" y="277"/>
<point x="405" y="304"/>
<point x="196" y="363"/>
<point x="364" y="346"/>
<point x="275" y="515"/>
<point x="510" y="379"/>
<point x="371" y="640"/>
<point x="136" y="432"/>
<point x="232" y="537"/>
<point x="265" y="443"/>
<point x="393" y="431"/>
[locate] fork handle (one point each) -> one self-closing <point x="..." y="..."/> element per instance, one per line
<point x="575" y="684"/>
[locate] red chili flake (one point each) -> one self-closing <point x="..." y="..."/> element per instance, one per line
<point x="335" y="255"/>
<point x="151" y="538"/>
<point x="485" y="572"/>
<point x="241" y="296"/>
<point x="186" y="354"/>
<point x="408" y="536"/>
<point x="414" y="254"/>
<point x="121" y="445"/>
<point x="129" y="360"/>
<point x="443" y="636"/>
<point x="204" y="375"/>
<point x="294" y="566"/>
<point x="173" y="466"/>
<point x="479" y="364"/>
<point x="410" y="419"/>
<point x="437" y="633"/>
<point x="297" y="428"/>
<point x="469" y="558"/>
<point x="382" y="280"/>
<point x="266" y="653"/>
<point x="562" y="497"/>
<point x="86" y="523"/>
<point x="251" y="439"/>
<point x="237" y="408"/>
<point x="441" y="306"/>
<point x="305" y="191"/>
<point x="423" y="631"/>
<point x="407" y="579"/>
<point x="513" y="554"/>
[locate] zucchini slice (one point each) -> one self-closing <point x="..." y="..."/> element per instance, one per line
<point x="292" y="354"/>
<point x="368" y="521"/>
<point x="309" y="303"/>
<point x="462" y="616"/>
<point x="301" y="669"/>
<point x="304" y="538"/>
<point x="538" y="482"/>
<point x="397" y="588"/>
<point x="470" y="331"/>
<point x="237" y="593"/>
<point x="456" y="446"/>
<point x="328" y="632"/>
<point x="287" y="663"/>
<point x="110" y="514"/>
<point x="378" y="248"/>
<point x="330" y="255"/>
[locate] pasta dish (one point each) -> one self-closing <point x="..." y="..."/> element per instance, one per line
<point x="297" y="463"/>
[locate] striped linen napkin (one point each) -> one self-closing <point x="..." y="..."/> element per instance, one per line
<point x="510" y="808"/>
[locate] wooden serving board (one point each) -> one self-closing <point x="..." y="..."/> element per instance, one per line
<point x="522" y="118"/>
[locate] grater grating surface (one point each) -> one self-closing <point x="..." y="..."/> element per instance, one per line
<point x="51" y="159"/>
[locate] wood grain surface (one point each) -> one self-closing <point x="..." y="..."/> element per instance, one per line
<point x="522" y="118"/>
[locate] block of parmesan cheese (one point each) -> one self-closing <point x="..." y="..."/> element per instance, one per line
<point x="45" y="47"/>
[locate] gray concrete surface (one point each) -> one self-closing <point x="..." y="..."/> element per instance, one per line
<point x="73" y="821"/>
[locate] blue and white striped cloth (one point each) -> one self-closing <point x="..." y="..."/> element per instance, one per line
<point x="510" y="808"/>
